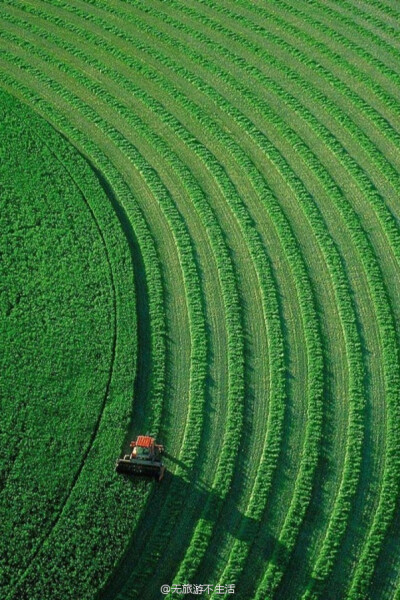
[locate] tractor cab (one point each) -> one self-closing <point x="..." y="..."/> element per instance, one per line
<point x="140" y="452"/>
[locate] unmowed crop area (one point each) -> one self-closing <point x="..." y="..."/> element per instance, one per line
<point x="200" y="239"/>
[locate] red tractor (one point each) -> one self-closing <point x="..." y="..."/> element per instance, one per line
<point x="145" y="458"/>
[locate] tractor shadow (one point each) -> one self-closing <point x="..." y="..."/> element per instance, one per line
<point x="195" y="498"/>
<point x="228" y="518"/>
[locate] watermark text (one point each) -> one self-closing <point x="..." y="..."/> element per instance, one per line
<point x="198" y="589"/>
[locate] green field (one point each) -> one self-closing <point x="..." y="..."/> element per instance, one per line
<point x="200" y="238"/>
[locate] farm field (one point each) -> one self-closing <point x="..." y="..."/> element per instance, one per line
<point x="200" y="238"/>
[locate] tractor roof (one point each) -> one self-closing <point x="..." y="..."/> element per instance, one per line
<point x="144" y="441"/>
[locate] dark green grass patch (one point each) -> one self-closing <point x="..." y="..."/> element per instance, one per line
<point x="57" y="331"/>
<point x="61" y="305"/>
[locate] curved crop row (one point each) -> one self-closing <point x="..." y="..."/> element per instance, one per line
<point x="175" y="221"/>
<point x="394" y="346"/>
<point x="387" y="565"/>
<point x="374" y="19"/>
<point x="235" y="361"/>
<point x="322" y="132"/>
<point x="319" y="96"/>
<point x="365" y="142"/>
<point x="392" y="363"/>
<point x="389" y="226"/>
<point x="314" y="425"/>
<point x="315" y="47"/>
<point x="385" y="8"/>
<point x="338" y="18"/>
<point x="386" y="219"/>
<point x="298" y="54"/>
<point x="368" y="59"/>
<point x="368" y="22"/>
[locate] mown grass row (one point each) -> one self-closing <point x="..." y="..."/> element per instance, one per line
<point x="387" y="217"/>
<point x="198" y="371"/>
<point x="128" y="115"/>
<point x="378" y="120"/>
<point x="225" y="467"/>
<point x="235" y="361"/>
<point x="224" y="471"/>
<point x="386" y="9"/>
<point x="382" y="162"/>
<point x="112" y="495"/>
<point x="366" y="187"/>
<point x="389" y="226"/>
<point x="267" y="287"/>
<point x="344" y="501"/>
<point x="305" y="41"/>
<point x="203" y="532"/>
<point x="342" y="41"/>
<point x="195" y="414"/>
<point x="389" y="344"/>
<point x="385" y="572"/>
<point x="369" y="36"/>
<point x="376" y="89"/>
<point x="390" y="489"/>
<point x="314" y="422"/>
<point x="371" y="21"/>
